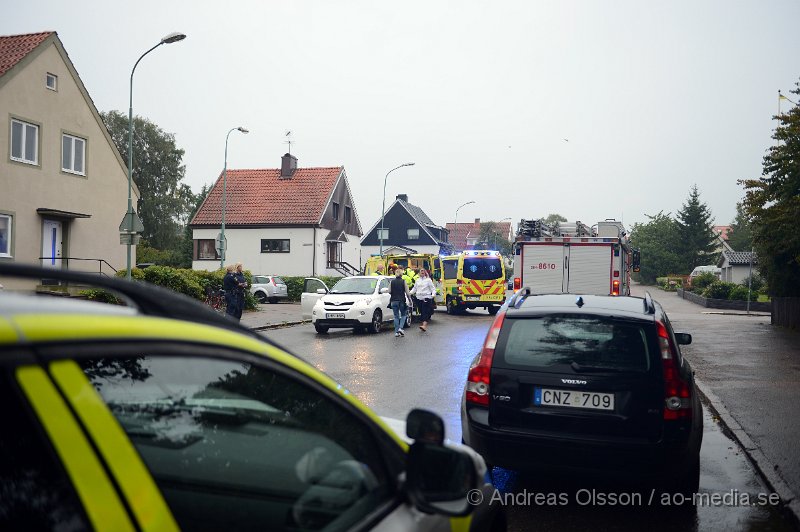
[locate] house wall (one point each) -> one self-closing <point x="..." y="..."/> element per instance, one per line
<point x="735" y="274"/>
<point x="367" y="251"/>
<point x="398" y="220"/>
<point x="342" y="197"/>
<point x="102" y="193"/>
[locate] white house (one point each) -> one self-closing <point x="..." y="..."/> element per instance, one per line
<point x="735" y="265"/>
<point x="281" y="221"/>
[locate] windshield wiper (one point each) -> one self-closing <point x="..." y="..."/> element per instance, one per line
<point x="580" y="368"/>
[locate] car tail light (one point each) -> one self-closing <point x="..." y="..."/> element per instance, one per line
<point x="478" y="376"/>
<point x="272" y="279"/>
<point x="615" y="287"/>
<point x="517" y="283"/>
<point x="677" y="394"/>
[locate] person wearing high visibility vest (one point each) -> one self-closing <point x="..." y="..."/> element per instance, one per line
<point x="410" y="277"/>
<point x="378" y="270"/>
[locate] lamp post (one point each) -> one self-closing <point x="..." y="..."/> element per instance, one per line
<point x="223" y="248"/>
<point x="455" y="222"/>
<point x="131" y="224"/>
<point x="495" y="232"/>
<point x="383" y="208"/>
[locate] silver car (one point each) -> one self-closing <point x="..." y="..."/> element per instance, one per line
<point x="269" y="288"/>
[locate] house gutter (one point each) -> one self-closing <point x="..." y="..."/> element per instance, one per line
<point x="314" y="253"/>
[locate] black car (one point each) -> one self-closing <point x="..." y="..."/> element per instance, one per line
<point x="593" y="384"/>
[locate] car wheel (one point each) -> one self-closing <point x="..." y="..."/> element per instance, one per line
<point x="377" y="322"/>
<point x="273" y="300"/>
<point x="262" y="297"/>
<point x="493" y="310"/>
<point x="321" y="329"/>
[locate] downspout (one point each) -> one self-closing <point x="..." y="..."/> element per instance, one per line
<point x="314" y="253"/>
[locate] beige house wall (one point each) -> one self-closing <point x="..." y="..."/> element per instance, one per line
<point x="24" y="188"/>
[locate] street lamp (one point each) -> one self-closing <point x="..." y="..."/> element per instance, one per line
<point x="455" y="223"/>
<point x="222" y="244"/>
<point x="495" y="232"/>
<point x="131" y="224"/>
<point x="383" y="208"/>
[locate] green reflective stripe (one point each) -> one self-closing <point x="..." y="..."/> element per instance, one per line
<point x="133" y="477"/>
<point x="460" y="524"/>
<point x="95" y="490"/>
<point x="7" y="333"/>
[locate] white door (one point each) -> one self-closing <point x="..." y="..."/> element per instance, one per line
<point x="309" y="297"/>
<point x="51" y="244"/>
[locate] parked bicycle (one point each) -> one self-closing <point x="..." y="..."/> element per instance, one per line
<point x="215" y="299"/>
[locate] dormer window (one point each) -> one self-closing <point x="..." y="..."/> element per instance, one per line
<point x="51" y="82"/>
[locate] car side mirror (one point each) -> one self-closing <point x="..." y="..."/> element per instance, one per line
<point x="422" y="425"/>
<point x="322" y="291"/>
<point x="683" y="338"/>
<point x="439" y="479"/>
<point x="384" y="290"/>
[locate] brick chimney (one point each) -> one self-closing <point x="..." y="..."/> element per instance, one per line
<point x="403" y="197"/>
<point x="477" y="221"/>
<point x="288" y="166"/>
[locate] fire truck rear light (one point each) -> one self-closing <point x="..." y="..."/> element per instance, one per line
<point x="616" y="273"/>
<point x="615" y="288"/>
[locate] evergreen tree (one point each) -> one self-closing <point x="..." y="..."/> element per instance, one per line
<point x="698" y="242"/>
<point x="740" y="237"/>
<point x="773" y="204"/>
<point x="659" y="244"/>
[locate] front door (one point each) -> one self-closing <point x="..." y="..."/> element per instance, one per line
<point x="334" y="254"/>
<point x="51" y="244"/>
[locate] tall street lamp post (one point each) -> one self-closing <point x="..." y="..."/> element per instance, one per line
<point x="495" y="232"/>
<point x="222" y="244"/>
<point x="455" y="222"/>
<point x="383" y="208"/>
<point x="131" y="224"/>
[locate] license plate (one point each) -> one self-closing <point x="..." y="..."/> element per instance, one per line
<point x="472" y="298"/>
<point x="573" y="399"/>
<point x="335" y="315"/>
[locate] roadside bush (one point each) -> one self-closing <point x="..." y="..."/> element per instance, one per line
<point x="718" y="290"/>
<point x="739" y="293"/>
<point x="94" y="294"/>
<point x="700" y="282"/>
<point x="756" y="284"/>
<point x="669" y="283"/>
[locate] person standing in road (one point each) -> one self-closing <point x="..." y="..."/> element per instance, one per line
<point x="379" y="270"/>
<point x="241" y="286"/>
<point x="398" y="295"/>
<point x="230" y="286"/>
<point x="425" y="292"/>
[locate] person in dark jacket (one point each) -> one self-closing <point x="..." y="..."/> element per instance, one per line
<point x="398" y="292"/>
<point x="241" y="286"/>
<point x="230" y="285"/>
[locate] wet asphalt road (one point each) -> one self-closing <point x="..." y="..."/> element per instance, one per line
<point x="393" y="375"/>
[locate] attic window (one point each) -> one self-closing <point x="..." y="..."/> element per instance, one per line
<point x="52" y="82"/>
<point x="413" y="234"/>
<point x="335" y="211"/>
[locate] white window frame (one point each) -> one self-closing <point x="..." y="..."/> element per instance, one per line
<point x="412" y="234"/>
<point x="8" y="234"/>
<point x="73" y="143"/>
<point x="385" y="232"/>
<point x="23" y="142"/>
<point x="47" y="79"/>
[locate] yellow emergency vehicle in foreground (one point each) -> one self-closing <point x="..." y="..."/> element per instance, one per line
<point x="473" y="279"/>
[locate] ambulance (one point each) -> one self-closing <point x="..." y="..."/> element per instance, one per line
<point x="473" y="279"/>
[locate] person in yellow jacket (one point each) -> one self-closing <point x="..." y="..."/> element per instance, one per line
<point x="379" y="270"/>
<point x="410" y="277"/>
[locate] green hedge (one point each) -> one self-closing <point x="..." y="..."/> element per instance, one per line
<point x="718" y="290"/>
<point x="739" y="293"/>
<point x="669" y="283"/>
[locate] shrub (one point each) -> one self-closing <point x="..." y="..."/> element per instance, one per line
<point x="94" y="294"/>
<point x="700" y="282"/>
<point x="718" y="290"/>
<point x="756" y="284"/>
<point x="739" y="293"/>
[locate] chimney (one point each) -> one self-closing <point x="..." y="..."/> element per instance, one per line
<point x="477" y="221"/>
<point x="403" y="197"/>
<point x="288" y="165"/>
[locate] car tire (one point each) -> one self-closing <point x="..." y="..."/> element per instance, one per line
<point x="262" y="297"/>
<point x="377" y="322"/>
<point x="321" y="329"/>
<point x="493" y="310"/>
<point x="273" y="300"/>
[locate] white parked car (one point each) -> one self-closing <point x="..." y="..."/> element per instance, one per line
<point x="359" y="303"/>
<point x="269" y="288"/>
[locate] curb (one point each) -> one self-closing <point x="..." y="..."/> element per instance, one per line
<point x="767" y="471"/>
<point x="278" y="325"/>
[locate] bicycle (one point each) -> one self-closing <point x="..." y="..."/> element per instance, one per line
<point x="216" y="300"/>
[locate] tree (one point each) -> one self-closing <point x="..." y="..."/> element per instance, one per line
<point x="492" y="236"/>
<point x="698" y="242"/>
<point x="164" y="203"/>
<point x="740" y="237"/>
<point x="553" y="218"/>
<point x="773" y="204"/>
<point x="658" y="240"/>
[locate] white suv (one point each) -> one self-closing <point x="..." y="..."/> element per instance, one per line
<point x="359" y="303"/>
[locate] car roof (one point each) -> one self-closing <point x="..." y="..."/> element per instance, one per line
<point x="631" y="307"/>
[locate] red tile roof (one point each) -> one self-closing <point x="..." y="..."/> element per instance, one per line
<point x="261" y="197"/>
<point x="460" y="231"/>
<point x="15" y="47"/>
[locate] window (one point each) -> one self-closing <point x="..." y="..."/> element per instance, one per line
<point x="73" y="151"/>
<point x="383" y="234"/>
<point x="482" y="269"/>
<point x="450" y="268"/>
<point x="5" y="235"/>
<point x="413" y="234"/>
<point x="205" y="250"/>
<point x="275" y="245"/>
<point x="24" y="142"/>
<point x="51" y="82"/>
<point x="232" y="444"/>
<point x="335" y="211"/>
<point x="348" y="215"/>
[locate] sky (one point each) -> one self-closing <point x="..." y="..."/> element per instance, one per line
<point x="590" y="109"/>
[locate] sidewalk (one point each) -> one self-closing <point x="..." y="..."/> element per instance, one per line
<point x="750" y="373"/>
<point x="270" y="316"/>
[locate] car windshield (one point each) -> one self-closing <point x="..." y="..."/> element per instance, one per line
<point x="582" y="343"/>
<point x="482" y="269"/>
<point x="355" y="285"/>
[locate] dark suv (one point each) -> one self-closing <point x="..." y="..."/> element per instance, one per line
<point x="588" y="384"/>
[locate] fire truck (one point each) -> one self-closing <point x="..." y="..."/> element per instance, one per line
<point x="574" y="258"/>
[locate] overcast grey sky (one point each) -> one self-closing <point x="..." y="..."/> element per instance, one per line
<point x="651" y="97"/>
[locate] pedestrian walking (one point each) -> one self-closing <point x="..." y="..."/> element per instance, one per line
<point x="230" y="286"/>
<point x="241" y="286"/>
<point x="425" y="292"/>
<point x="398" y="295"/>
